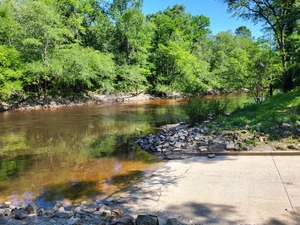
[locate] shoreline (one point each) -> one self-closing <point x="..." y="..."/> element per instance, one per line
<point x="182" y="141"/>
<point x="91" y="99"/>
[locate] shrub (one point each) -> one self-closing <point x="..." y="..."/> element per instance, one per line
<point x="199" y="109"/>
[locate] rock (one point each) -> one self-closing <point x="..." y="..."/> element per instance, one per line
<point x="4" y="220"/>
<point x="203" y="149"/>
<point x="159" y="149"/>
<point x="292" y="147"/>
<point x="286" y="125"/>
<point x="211" y="156"/>
<point x="31" y="208"/>
<point x="178" y="145"/>
<point x="198" y="137"/>
<point x="106" y="213"/>
<point x="117" y="213"/>
<point x="146" y="220"/>
<point x="3" y="205"/>
<point x="125" y="220"/>
<point x="74" y="221"/>
<point x="40" y="212"/>
<point x="20" y="214"/>
<point x="172" y="221"/>
<point x="50" y="213"/>
<point x="102" y="207"/>
<point x="182" y="137"/>
<point x="5" y="212"/>
<point x="230" y="146"/>
<point x="261" y="139"/>
<point x="246" y="127"/>
<point x="61" y="213"/>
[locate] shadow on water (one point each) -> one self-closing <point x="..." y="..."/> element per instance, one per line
<point x="126" y="180"/>
<point x="72" y="191"/>
<point x="121" y="147"/>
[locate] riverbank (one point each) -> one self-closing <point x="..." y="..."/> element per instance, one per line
<point x="181" y="141"/>
<point x="102" y="212"/>
<point x="271" y="126"/>
<point x="89" y="99"/>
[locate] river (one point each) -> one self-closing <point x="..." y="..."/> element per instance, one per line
<point x="77" y="153"/>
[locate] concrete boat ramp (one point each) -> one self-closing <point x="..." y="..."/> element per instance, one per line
<point x="248" y="190"/>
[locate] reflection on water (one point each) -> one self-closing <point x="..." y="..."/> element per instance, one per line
<point x="76" y="153"/>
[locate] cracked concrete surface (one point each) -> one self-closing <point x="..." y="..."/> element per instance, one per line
<point x="223" y="190"/>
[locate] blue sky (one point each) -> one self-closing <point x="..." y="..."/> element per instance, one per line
<point x="220" y="20"/>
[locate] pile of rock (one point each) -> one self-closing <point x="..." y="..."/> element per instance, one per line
<point x="182" y="141"/>
<point x="80" y="214"/>
<point x="286" y="129"/>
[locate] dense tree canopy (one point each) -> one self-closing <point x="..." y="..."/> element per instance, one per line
<point x="61" y="48"/>
<point x="282" y="17"/>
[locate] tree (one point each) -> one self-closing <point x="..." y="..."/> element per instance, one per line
<point x="281" y="16"/>
<point x="9" y="27"/>
<point x="177" y="57"/>
<point x="89" y="70"/>
<point x="10" y="73"/>
<point x="239" y="62"/>
<point x="243" y="31"/>
<point x="42" y="32"/>
<point x="130" y="44"/>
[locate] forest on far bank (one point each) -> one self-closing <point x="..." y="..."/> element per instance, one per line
<point x="63" y="48"/>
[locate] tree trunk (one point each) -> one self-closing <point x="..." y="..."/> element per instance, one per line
<point x="271" y="89"/>
<point x="288" y="81"/>
<point x="287" y="76"/>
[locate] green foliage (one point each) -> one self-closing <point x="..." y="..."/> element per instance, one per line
<point x="279" y="16"/>
<point x="89" y="70"/>
<point x="199" y="109"/>
<point x="65" y="48"/>
<point x="131" y="79"/>
<point x="178" y="66"/>
<point x="10" y="73"/>
<point x="244" y="32"/>
<point x="281" y="108"/>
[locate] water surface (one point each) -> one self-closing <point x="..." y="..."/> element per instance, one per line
<point x="77" y="153"/>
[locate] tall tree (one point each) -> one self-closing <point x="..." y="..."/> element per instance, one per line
<point x="130" y="44"/>
<point x="42" y="32"/>
<point x="279" y="15"/>
<point x="244" y="32"/>
<point x="10" y="73"/>
<point x="176" y="47"/>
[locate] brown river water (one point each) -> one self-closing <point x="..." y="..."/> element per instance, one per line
<point x="77" y="153"/>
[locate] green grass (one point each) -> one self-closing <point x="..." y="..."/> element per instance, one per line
<point x="281" y="108"/>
